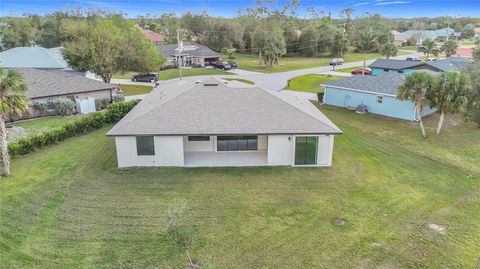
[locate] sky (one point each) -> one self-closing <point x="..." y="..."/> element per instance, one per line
<point x="229" y="8"/>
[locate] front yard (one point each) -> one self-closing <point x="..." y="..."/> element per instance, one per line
<point x="68" y="206"/>
<point x="129" y="90"/>
<point x="251" y="62"/>
<point x="310" y="82"/>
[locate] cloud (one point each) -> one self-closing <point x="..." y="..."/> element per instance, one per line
<point x="360" y="4"/>
<point x="392" y="3"/>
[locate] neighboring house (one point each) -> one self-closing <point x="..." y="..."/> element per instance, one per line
<point x="399" y="39"/>
<point x="33" y="57"/>
<point x="392" y="65"/>
<point x="156" y="38"/>
<point x="440" y="35"/>
<point x="48" y="85"/>
<point x="193" y="54"/>
<point x="465" y="52"/>
<point x="219" y="123"/>
<point x="380" y="66"/>
<point x="377" y="93"/>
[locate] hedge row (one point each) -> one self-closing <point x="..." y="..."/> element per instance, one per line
<point x="93" y="121"/>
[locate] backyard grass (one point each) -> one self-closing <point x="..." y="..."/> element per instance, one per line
<point x="310" y="82"/>
<point x="129" y="90"/>
<point x="35" y="126"/>
<point x="68" y="206"/>
<point x="241" y="80"/>
<point x="251" y="62"/>
<point x="174" y="73"/>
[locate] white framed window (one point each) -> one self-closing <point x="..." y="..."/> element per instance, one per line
<point x="379" y="99"/>
<point x="145" y="145"/>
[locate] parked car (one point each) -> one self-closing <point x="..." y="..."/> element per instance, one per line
<point x="368" y="71"/>
<point x="430" y="60"/>
<point x="232" y="64"/>
<point x="148" y="77"/>
<point x="413" y="59"/>
<point x="336" y="61"/>
<point x="221" y="65"/>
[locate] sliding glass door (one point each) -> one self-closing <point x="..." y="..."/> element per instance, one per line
<point x="306" y="150"/>
<point x="237" y="143"/>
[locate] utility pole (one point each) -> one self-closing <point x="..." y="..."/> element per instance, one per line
<point x="180" y="50"/>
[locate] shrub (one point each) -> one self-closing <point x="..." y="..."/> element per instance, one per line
<point x="39" y="107"/>
<point x="118" y="98"/>
<point x="85" y="124"/>
<point x="101" y="103"/>
<point x="63" y="106"/>
<point x="116" y="111"/>
<point x="320" y="96"/>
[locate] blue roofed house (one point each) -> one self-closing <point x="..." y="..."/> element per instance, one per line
<point x="397" y="66"/>
<point x="33" y="57"/>
<point x="376" y="93"/>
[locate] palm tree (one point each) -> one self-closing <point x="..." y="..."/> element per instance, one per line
<point x="12" y="100"/>
<point x="429" y="47"/>
<point x="389" y="50"/>
<point x="449" y="95"/>
<point x="367" y="42"/>
<point x="416" y="87"/>
<point x="450" y="47"/>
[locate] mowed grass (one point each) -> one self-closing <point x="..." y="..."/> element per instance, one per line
<point x="174" y="73"/>
<point x="349" y="70"/>
<point x="252" y="63"/>
<point x="129" y="90"/>
<point x="310" y="82"/>
<point x="68" y="206"/>
<point x="35" y="126"/>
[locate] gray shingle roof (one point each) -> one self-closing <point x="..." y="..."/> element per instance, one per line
<point x="384" y="83"/>
<point x="395" y="64"/>
<point x="193" y="49"/>
<point x="186" y="108"/>
<point x="450" y="64"/>
<point x="33" y="57"/>
<point x="43" y="83"/>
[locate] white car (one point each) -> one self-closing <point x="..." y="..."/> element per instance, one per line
<point x="414" y="58"/>
<point x="336" y="61"/>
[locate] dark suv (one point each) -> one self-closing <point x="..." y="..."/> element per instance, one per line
<point x="221" y="65"/>
<point x="149" y="77"/>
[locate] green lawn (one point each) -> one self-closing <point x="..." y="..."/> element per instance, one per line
<point x="35" y="126"/>
<point x="251" y="63"/>
<point x="349" y="70"/>
<point x="468" y="43"/>
<point x="310" y="82"/>
<point x="174" y="73"/>
<point x="68" y="206"/>
<point x="129" y="90"/>
<point x="408" y="48"/>
<point x="241" y="80"/>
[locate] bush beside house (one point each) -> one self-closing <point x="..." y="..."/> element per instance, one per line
<point x="93" y="121"/>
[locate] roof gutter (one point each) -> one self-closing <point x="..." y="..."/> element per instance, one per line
<point x="356" y="90"/>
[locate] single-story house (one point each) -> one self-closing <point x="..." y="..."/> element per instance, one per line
<point x="192" y="54"/>
<point x="33" y="57"/>
<point x="156" y="38"/>
<point x="380" y="66"/>
<point x="392" y="65"/>
<point x="440" y="35"/>
<point x="45" y="85"/>
<point x="219" y="123"/>
<point x="377" y="93"/>
<point x="399" y="39"/>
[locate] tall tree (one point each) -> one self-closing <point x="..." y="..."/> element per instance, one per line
<point x="450" y="47"/>
<point x="367" y="43"/>
<point x="449" y="95"/>
<point x="429" y="47"/>
<point x="389" y="50"/>
<point x="19" y="33"/>
<point x="416" y="87"/>
<point x="472" y="112"/>
<point x="270" y="43"/>
<point x="12" y="100"/>
<point x="109" y="46"/>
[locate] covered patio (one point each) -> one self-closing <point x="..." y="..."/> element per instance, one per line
<point x="210" y="159"/>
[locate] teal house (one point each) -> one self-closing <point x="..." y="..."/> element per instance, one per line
<point x="396" y="66"/>
<point x="376" y="93"/>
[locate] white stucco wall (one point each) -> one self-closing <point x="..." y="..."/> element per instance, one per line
<point x="325" y="150"/>
<point x="262" y="142"/>
<point x="168" y="152"/>
<point x="280" y="150"/>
